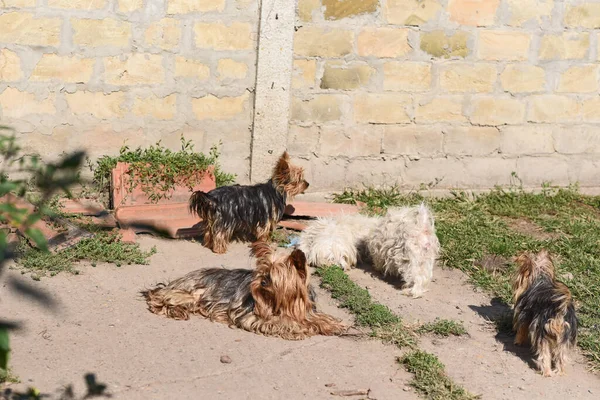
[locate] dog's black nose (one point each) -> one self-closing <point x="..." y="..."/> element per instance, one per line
<point x="307" y="184"/>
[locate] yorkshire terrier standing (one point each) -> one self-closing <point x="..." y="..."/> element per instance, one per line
<point x="335" y="240"/>
<point x="247" y="212"/>
<point x="404" y="244"/>
<point x="275" y="299"/>
<point x="544" y="312"/>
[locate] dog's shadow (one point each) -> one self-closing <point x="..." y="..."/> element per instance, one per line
<point x="365" y="264"/>
<point x="500" y="314"/>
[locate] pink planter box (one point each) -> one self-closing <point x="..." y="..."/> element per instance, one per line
<point x="121" y="195"/>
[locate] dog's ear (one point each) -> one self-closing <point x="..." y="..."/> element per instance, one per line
<point x="282" y="168"/>
<point x="298" y="260"/>
<point x="262" y="251"/>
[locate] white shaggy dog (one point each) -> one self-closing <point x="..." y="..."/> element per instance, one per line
<point x="334" y="240"/>
<point x="404" y="244"/>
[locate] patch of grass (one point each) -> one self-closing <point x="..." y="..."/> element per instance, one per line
<point x="389" y="328"/>
<point x="443" y="327"/>
<point x="102" y="247"/>
<point x="430" y="379"/>
<point x="281" y="237"/>
<point x="356" y="299"/>
<point x="473" y="228"/>
<point x="158" y="169"/>
<point x="7" y="376"/>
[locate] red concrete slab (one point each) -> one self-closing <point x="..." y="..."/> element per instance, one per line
<point x="46" y="229"/>
<point x="295" y="225"/>
<point x="314" y="209"/>
<point x="81" y="206"/>
<point x="173" y="220"/>
<point x="124" y="195"/>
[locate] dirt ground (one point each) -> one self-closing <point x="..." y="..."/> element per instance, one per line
<point x="101" y="326"/>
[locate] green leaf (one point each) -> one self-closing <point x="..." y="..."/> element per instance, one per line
<point x="7" y="187"/>
<point x="4" y="348"/>
<point x="37" y="237"/>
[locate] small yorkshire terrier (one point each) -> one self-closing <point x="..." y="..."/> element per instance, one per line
<point x="249" y="212"/>
<point x="544" y="312"/>
<point x="275" y="299"/>
<point x="335" y="240"/>
<point x="404" y="244"/>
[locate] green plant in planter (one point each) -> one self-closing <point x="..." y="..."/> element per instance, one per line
<point x="157" y="169"/>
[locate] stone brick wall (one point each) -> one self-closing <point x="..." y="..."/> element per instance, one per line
<point x="459" y="93"/>
<point x="94" y="73"/>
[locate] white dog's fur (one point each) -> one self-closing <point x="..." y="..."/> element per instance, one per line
<point x="404" y="244"/>
<point x="334" y="240"/>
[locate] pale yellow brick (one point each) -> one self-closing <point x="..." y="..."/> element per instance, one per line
<point x="303" y="76"/>
<point x="590" y="109"/>
<point x="577" y="140"/>
<point x="303" y="140"/>
<point x="25" y="29"/>
<point x="446" y="172"/>
<point x="373" y="173"/>
<point x="78" y="4"/>
<point x="10" y="66"/>
<point x="471" y="140"/>
<point x="487" y="172"/>
<point x="321" y="108"/>
<point x="535" y="171"/>
<point x="101" y="32"/>
<point x="503" y="45"/>
<point x="354" y="141"/>
<point x="185" y="68"/>
<point x="473" y="12"/>
<point x="67" y="69"/>
<point x="231" y="69"/>
<point x="383" y="42"/>
<point x="553" y="108"/>
<point x="17" y="104"/>
<point x="340" y="9"/>
<point x="342" y="76"/>
<point x="137" y="69"/>
<point x="165" y="33"/>
<point x="155" y="107"/>
<point x="98" y="104"/>
<point x="414" y="141"/>
<point x="411" y="12"/>
<point x="192" y="6"/>
<point x="382" y="108"/>
<point x="579" y="79"/>
<point x="306" y="9"/>
<point x="571" y="45"/>
<point x="407" y="76"/>
<point x="313" y="41"/>
<point x="497" y="111"/>
<point x="527" y="139"/>
<point x="215" y="108"/>
<point x="17" y="3"/>
<point x="439" y="44"/>
<point x="463" y="77"/>
<point x="523" y="78"/>
<point x="221" y="36"/>
<point x="445" y="109"/>
<point x="130" y="5"/>
<point x="522" y="11"/>
<point x="585" y="15"/>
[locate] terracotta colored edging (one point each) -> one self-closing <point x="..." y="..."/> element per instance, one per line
<point x="180" y="193"/>
<point x="81" y="206"/>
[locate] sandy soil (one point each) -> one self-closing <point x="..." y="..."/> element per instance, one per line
<point x="101" y="326"/>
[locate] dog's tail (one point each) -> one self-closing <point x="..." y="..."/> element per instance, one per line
<point x="425" y="217"/>
<point x="173" y="303"/>
<point x="200" y="204"/>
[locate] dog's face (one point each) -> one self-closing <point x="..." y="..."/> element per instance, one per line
<point x="280" y="285"/>
<point x="288" y="177"/>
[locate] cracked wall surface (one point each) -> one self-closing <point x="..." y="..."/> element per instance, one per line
<point x="459" y="93"/>
<point x="101" y="73"/>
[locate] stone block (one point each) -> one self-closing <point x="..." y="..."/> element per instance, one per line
<point x="383" y="42"/>
<point x="440" y="109"/>
<point x="473" y="12"/>
<point x="523" y="78"/>
<point x="342" y="76"/>
<point x="314" y="41"/>
<point x="25" y="29"/>
<point x="464" y="77"/>
<point x="412" y="141"/>
<point x="438" y="44"/>
<point x="101" y="32"/>
<point x="471" y="140"/>
<point x="411" y="12"/>
<point x="382" y="108"/>
<point x="136" y="69"/>
<point x="503" y="45"/>
<point x="552" y="108"/>
<point x="97" y="104"/>
<point x="355" y="141"/>
<point x="579" y="79"/>
<point x="67" y="69"/>
<point x="340" y="9"/>
<point x="215" y="108"/>
<point x="407" y="76"/>
<point x="321" y="108"/>
<point x="221" y="36"/>
<point x="527" y="139"/>
<point x="497" y="111"/>
<point x="18" y="104"/>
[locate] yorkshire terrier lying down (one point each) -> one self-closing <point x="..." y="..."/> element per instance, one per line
<point x="544" y="312"/>
<point x="247" y="213"/>
<point x="275" y="299"/>
<point x="401" y="243"/>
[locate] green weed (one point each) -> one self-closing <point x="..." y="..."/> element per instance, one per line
<point x="443" y="327"/>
